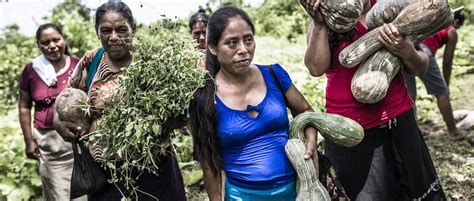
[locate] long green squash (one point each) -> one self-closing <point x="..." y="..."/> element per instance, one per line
<point x="310" y="188"/>
<point x="418" y="21"/>
<point x="340" y="130"/>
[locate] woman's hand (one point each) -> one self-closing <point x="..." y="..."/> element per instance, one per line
<point x="86" y="61"/>
<point x="68" y="130"/>
<point x="311" y="146"/>
<point x="414" y="61"/>
<point x="312" y="8"/>
<point x="397" y="44"/>
<point x="32" y="150"/>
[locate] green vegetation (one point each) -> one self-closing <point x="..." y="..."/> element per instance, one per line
<point x="156" y="87"/>
<point x="280" y="39"/>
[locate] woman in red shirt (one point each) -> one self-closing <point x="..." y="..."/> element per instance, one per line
<point x="392" y="162"/>
<point x="40" y="83"/>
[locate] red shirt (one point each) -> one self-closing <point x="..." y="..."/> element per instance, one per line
<point x="437" y="40"/>
<point x="42" y="95"/>
<point x="339" y="98"/>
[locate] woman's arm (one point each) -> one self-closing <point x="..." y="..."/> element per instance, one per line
<point x="24" y="107"/>
<point x="69" y="130"/>
<point x="298" y="103"/>
<point x="414" y="60"/>
<point x="213" y="184"/>
<point x="318" y="56"/>
<point x="449" y="54"/>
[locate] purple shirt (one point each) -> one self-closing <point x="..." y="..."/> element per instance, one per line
<point x="42" y="95"/>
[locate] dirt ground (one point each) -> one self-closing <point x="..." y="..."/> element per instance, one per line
<point x="454" y="161"/>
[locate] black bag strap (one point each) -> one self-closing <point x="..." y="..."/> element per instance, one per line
<point x="278" y="83"/>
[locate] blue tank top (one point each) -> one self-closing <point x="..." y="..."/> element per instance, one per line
<point x="253" y="148"/>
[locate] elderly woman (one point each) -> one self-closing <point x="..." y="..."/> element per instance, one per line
<point x="41" y="82"/>
<point x="115" y="27"/>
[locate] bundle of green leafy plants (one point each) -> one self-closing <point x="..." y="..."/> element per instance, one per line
<point x="156" y="87"/>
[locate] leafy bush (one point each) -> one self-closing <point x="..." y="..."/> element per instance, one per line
<point x="282" y="18"/>
<point x="19" y="178"/>
<point x="16" y="50"/>
<point x="77" y="26"/>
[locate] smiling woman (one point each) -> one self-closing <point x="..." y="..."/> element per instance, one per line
<point x="41" y="82"/>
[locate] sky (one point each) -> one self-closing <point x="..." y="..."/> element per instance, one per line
<point x="28" y="14"/>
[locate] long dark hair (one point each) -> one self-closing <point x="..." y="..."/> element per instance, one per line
<point x="43" y="27"/>
<point x="458" y="15"/>
<point x="199" y="16"/>
<point x="116" y="6"/>
<point x="202" y="109"/>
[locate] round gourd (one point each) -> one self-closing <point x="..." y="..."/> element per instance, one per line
<point x="68" y="107"/>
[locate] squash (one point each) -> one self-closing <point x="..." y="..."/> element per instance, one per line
<point x="459" y="115"/>
<point x="310" y="188"/>
<point x="340" y="130"/>
<point x="418" y="20"/>
<point x="467" y="123"/>
<point x="384" y="11"/>
<point x="341" y="15"/>
<point x="371" y="81"/>
<point x="68" y="106"/>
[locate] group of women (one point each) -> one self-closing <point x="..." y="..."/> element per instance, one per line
<point x="239" y="119"/>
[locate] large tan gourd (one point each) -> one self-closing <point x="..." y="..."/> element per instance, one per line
<point x="384" y="11"/>
<point x="68" y="105"/>
<point x="341" y="15"/>
<point x="370" y="82"/>
<point x="418" y="20"/>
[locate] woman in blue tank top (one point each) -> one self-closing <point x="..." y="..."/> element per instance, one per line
<point x="239" y="119"/>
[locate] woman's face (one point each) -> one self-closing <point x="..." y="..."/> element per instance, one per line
<point x="115" y="34"/>
<point x="52" y="44"/>
<point x="199" y="34"/>
<point x="236" y="47"/>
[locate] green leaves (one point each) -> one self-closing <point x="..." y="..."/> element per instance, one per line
<point x="19" y="179"/>
<point x="157" y="86"/>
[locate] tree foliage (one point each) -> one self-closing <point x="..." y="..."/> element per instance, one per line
<point x="76" y="21"/>
<point x="16" y="50"/>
